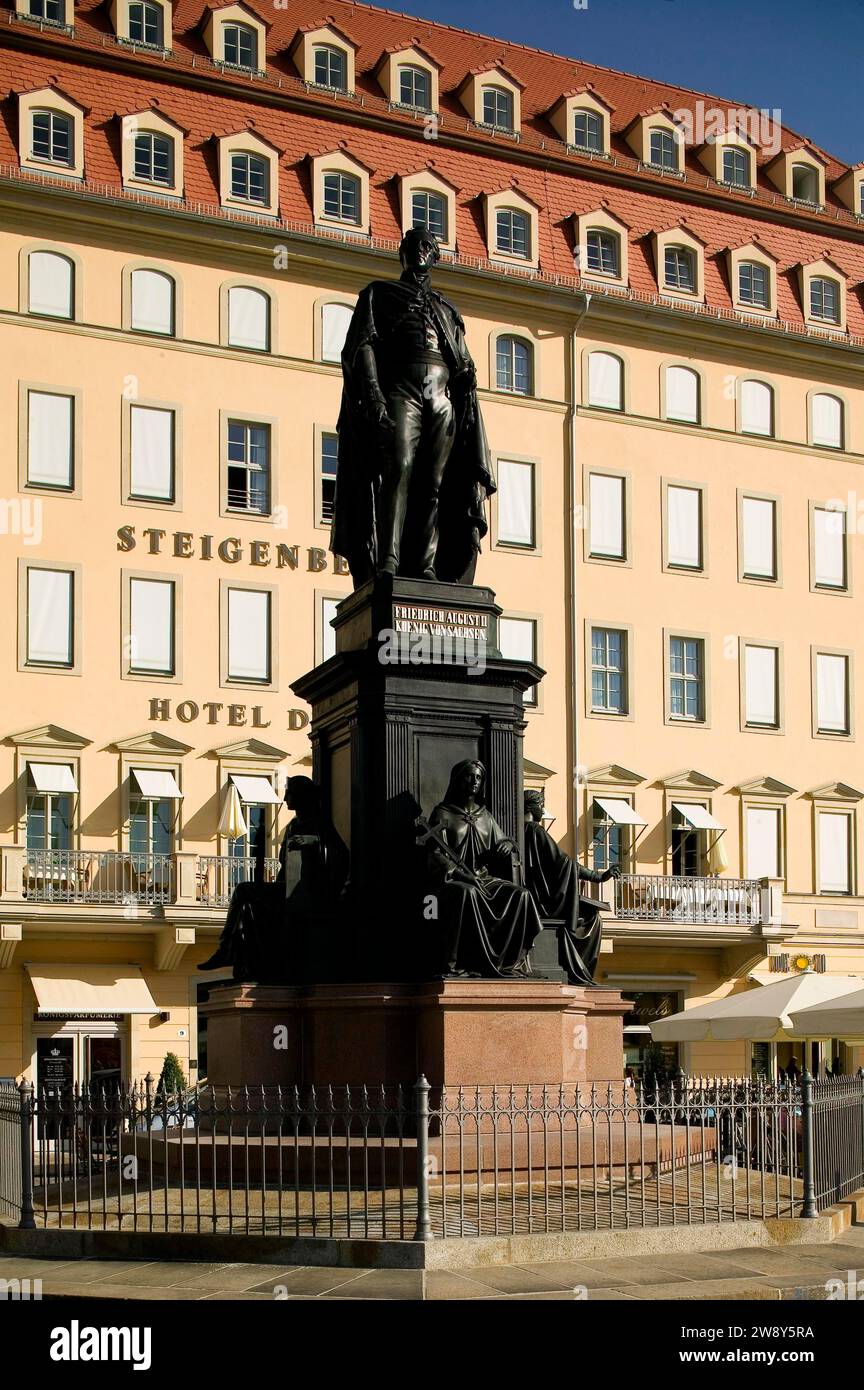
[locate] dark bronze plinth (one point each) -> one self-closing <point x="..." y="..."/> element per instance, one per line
<point x="385" y="736"/>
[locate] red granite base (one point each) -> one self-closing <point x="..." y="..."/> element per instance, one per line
<point x="455" y="1032"/>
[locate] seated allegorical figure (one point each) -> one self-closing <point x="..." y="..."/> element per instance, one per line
<point x="488" y="921"/>
<point x="553" y="879"/>
<point x="262" y="939"/>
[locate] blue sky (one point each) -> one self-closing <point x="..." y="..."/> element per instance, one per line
<point x="803" y="56"/>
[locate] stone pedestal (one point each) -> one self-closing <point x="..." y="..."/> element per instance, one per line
<point x="456" y="1032"/>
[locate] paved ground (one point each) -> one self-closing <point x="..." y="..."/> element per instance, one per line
<point x="788" y="1272"/>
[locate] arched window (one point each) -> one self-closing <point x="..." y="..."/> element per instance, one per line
<point x="805" y="183"/>
<point x="152" y="307"/>
<point x="826" y="421"/>
<point x="250" y="177"/>
<point x="757" y="408"/>
<point x="51" y="285"/>
<point x="429" y="210"/>
<point x="663" y="149"/>
<point x="605" y="381"/>
<point x="498" y="108"/>
<point x="248" y="318"/>
<point x="154" y="158"/>
<point x="330" y="66"/>
<point x="682" y="394"/>
<point x="824" y="300"/>
<point x="679" y="269"/>
<point x="146" y="23"/>
<point x="52" y="137"/>
<point x="342" y="197"/>
<point x="335" y="319"/>
<point x="602" y="252"/>
<point x="588" y="131"/>
<point x="513" y="232"/>
<point x="514" y="365"/>
<point x="240" y="46"/>
<point x="754" y="284"/>
<point x="415" y="88"/>
<point x="736" y="167"/>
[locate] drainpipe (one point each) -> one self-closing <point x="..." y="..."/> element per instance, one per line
<point x="574" y="701"/>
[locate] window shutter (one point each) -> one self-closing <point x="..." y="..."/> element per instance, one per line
<point x="248" y="634"/>
<point x="684" y="527"/>
<point x="832" y="704"/>
<point x="152" y="467"/>
<point x="827" y="421"/>
<point x="763" y="842"/>
<point x="335" y="319"/>
<point x="759" y="541"/>
<point x="829" y="547"/>
<point x="833" y="852"/>
<point x="515" y="502"/>
<point x="248" y="318"/>
<point x="152" y="301"/>
<point x="604" y="380"/>
<point x="606" y="516"/>
<point x="760" y="685"/>
<point x="51" y="285"/>
<point x="49" y="439"/>
<point x="151" y="605"/>
<point x="49" y="616"/>
<point x="757" y="411"/>
<point x="682" y="394"/>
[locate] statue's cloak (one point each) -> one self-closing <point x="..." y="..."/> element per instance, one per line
<point x="468" y="477"/>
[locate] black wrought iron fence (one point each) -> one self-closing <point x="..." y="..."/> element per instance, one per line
<point x="409" y="1162"/>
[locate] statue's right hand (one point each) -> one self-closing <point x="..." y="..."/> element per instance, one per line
<point x="376" y="412"/>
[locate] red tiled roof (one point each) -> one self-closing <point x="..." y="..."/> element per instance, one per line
<point x="481" y="163"/>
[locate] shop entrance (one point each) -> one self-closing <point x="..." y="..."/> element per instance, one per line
<point x="79" y="1052"/>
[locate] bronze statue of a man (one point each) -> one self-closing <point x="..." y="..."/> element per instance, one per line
<point x="414" y="469"/>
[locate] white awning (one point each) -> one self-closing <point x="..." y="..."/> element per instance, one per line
<point x="90" y="989"/>
<point x="52" y="777"/>
<point x="255" y="791"/>
<point x="697" y="816"/>
<point x="156" y="785"/>
<point x="619" y="810"/>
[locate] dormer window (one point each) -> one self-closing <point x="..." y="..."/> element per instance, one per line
<point x="250" y="178"/>
<point x="146" y="23"/>
<point x="754" y="285"/>
<point x="679" y="269"/>
<point x="498" y="108"/>
<point x="602" y="253"/>
<point x="330" y="67"/>
<point x="342" y="197"/>
<point x="663" y="149"/>
<point x="429" y="210"/>
<point x="415" y="88"/>
<point x="512" y="232"/>
<point x="824" y="300"/>
<point x="52" y="138"/>
<point x="153" y="158"/>
<point x="805" y="183"/>
<point x="53" y="11"/>
<point x="736" y="167"/>
<point x="240" y="46"/>
<point x="588" y="131"/>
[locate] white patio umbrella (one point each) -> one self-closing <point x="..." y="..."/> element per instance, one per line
<point x="755" y="1015"/>
<point x="232" y="821"/>
<point x="839" y="1018"/>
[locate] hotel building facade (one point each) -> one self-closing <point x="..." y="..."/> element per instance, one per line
<point x="663" y="296"/>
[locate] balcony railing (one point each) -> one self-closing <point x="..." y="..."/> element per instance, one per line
<point x="660" y="898"/>
<point x="91" y="876"/>
<point x="219" y="874"/>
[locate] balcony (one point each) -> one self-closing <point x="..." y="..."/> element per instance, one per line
<point x="219" y="874"/>
<point x="712" y="901"/>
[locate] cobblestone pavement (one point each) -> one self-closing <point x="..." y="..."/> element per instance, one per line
<point x="773" y="1273"/>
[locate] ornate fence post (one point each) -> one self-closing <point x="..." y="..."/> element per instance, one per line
<point x="809" y="1208"/>
<point x="421" y="1112"/>
<point x="27" y="1221"/>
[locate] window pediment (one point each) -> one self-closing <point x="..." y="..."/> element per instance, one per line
<point x="322" y="35"/>
<point x="388" y="72"/>
<point x="217" y="19"/>
<point x="561" y="115"/>
<point x="471" y="94"/>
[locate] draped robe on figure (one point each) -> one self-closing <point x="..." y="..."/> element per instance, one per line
<point x="553" y="879"/>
